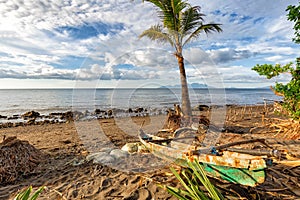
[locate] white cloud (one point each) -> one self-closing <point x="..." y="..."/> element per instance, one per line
<point x="32" y="47"/>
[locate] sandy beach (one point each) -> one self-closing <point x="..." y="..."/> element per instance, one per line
<point x="65" y="171"/>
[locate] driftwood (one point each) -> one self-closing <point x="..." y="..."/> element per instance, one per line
<point x="176" y="119"/>
<point x="173" y="121"/>
<point x="17" y="158"/>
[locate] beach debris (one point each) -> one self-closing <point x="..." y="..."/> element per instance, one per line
<point x="118" y="154"/>
<point x="134" y="147"/>
<point x="130" y="147"/>
<point x="17" y="158"/>
<point x="173" y="121"/>
<point x="100" y="158"/>
<point x="107" y="156"/>
<point x="287" y="129"/>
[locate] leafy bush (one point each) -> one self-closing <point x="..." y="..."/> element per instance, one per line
<point x="291" y="90"/>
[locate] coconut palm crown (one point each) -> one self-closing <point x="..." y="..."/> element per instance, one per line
<point x="181" y="23"/>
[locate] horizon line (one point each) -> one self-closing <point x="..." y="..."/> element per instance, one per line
<point x="88" y="88"/>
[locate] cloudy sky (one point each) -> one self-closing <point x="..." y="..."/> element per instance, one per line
<point x="72" y="43"/>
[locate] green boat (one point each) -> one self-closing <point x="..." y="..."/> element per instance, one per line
<point x="239" y="168"/>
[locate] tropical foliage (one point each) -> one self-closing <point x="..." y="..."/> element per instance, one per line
<point x="294" y="16"/>
<point x="291" y="90"/>
<point x="180" y="24"/>
<point x="191" y="179"/>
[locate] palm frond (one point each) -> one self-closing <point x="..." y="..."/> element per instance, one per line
<point x="156" y="33"/>
<point x="191" y="19"/>
<point x="169" y="12"/>
<point x="158" y="3"/>
<point x="181" y="20"/>
<point x="207" y="28"/>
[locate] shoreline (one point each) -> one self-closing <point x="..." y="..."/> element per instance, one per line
<point x="36" y="118"/>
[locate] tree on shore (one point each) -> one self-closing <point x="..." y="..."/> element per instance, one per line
<point x="291" y="90"/>
<point x="180" y="24"/>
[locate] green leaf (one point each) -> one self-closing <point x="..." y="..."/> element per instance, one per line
<point x="37" y="193"/>
<point x="24" y="195"/>
<point x="177" y="192"/>
<point x="190" y="192"/>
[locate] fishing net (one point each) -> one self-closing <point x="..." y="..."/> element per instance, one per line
<point x="17" y="158"/>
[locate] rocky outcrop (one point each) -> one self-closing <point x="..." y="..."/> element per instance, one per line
<point x="71" y="116"/>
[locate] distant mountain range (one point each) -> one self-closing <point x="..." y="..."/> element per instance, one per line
<point x="193" y="85"/>
<point x="200" y="85"/>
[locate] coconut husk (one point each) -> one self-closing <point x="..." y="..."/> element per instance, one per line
<point x="17" y="158"/>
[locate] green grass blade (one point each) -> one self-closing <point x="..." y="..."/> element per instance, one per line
<point x="182" y="182"/>
<point x="197" y="194"/>
<point x="199" y="172"/>
<point x="37" y="193"/>
<point x="177" y="192"/>
<point x="25" y="194"/>
<point x="201" y="175"/>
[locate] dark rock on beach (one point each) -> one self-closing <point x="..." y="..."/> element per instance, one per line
<point x="201" y="107"/>
<point x="31" y="114"/>
<point x="139" y="110"/>
<point x="97" y="111"/>
<point x="35" y="118"/>
<point x="110" y="113"/>
<point x="54" y="114"/>
<point x="67" y="116"/>
<point x="31" y="121"/>
<point x="18" y="124"/>
<point x="71" y="116"/>
<point x="13" y="118"/>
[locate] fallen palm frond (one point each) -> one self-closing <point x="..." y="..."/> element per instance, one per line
<point x="287" y="129"/>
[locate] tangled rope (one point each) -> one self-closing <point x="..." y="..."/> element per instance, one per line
<point x="17" y="158"/>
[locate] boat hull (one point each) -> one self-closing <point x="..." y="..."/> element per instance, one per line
<point x="242" y="176"/>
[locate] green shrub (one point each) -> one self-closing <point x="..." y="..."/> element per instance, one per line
<point x="291" y="90"/>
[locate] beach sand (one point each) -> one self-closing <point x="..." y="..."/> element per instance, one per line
<point x="67" y="175"/>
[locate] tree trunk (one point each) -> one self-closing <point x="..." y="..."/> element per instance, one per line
<point x="185" y="99"/>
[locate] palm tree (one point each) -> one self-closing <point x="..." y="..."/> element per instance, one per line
<point x="181" y="23"/>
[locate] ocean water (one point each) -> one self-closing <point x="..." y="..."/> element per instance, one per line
<point x="45" y="101"/>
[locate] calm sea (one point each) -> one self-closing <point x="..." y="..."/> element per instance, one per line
<point x="19" y="101"/>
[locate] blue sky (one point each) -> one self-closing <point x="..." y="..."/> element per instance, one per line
<point x="66" y="44"/>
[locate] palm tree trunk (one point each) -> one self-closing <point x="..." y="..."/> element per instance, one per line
<point x="185" y="99"/>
